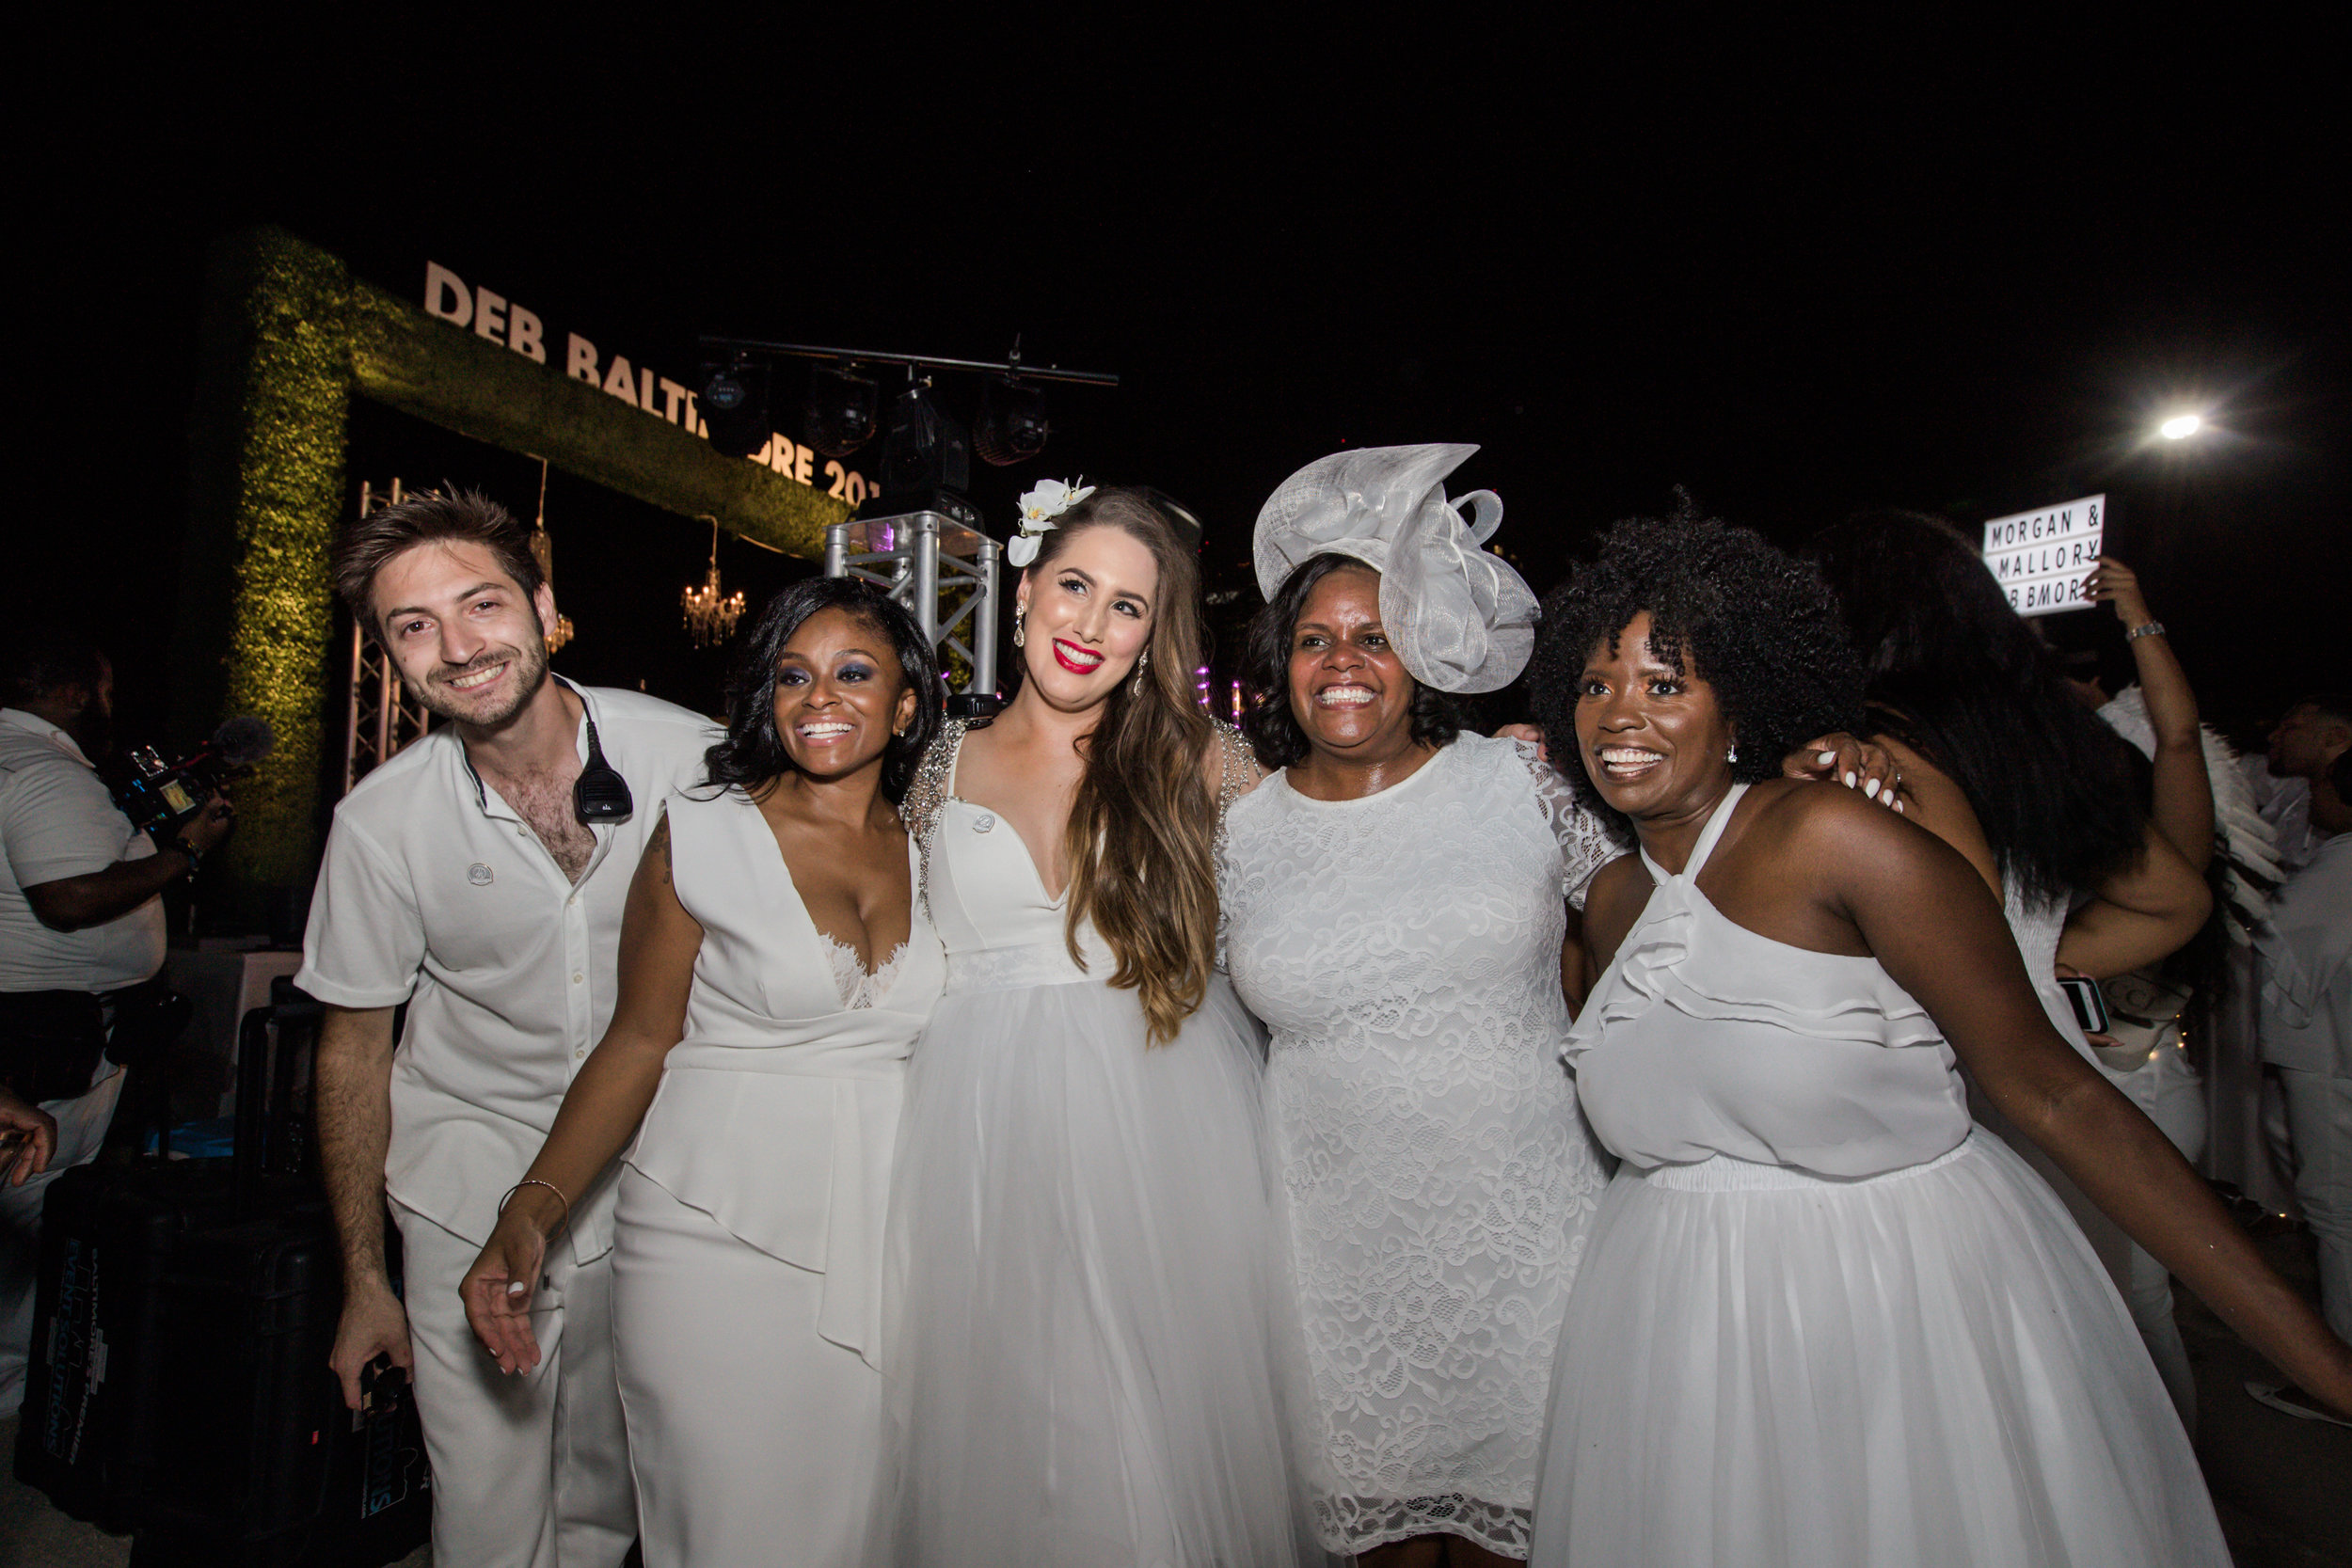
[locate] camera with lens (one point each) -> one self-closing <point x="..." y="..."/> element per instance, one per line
<point x="160" y="797"/>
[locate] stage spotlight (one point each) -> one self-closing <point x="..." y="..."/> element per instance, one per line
<point x="841" y="409"/>
<point x="733" y="402"/>
<point x="1011" y="427"/>
<point x="2180" y="427"/>
<point x="923" y="448"/>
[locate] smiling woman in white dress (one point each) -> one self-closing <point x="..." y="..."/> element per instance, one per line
<point x="1825" y="1322"/>
<point x="1395" y="901"/>
<point x="1078" y="1355"/>
<point x="776" y="970"/>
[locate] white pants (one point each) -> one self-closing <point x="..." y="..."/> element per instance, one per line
<point x="2319" y="1117"/>
<point x="2170" y="1091"/>
<point x="529" y="1471"/>
<point x="2248" y="1144"/>
<point x="81" y="1129"/>
<point x="755" y="1441"/>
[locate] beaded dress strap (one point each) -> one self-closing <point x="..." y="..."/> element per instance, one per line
<point x="927" y="798"/>
<point x="1240" y="771"/>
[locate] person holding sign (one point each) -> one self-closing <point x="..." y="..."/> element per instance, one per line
<point x="2010" y="768"/>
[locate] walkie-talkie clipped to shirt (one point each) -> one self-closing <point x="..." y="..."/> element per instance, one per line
<point x="600" y="794"/>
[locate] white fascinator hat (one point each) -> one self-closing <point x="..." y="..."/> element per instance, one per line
<point x="1458" y="616"/>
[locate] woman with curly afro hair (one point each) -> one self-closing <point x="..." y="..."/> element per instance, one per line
<point x="1784" y="665"/>
<point x="1821" y="1319"/>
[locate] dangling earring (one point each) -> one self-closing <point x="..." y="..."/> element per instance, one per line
<point x="1020" y="635"/>
<point x="1732" y="754"/>
<point x="1142" y="662"/>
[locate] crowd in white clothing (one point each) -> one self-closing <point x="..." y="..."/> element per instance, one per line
<point x="1097" y="1136"/>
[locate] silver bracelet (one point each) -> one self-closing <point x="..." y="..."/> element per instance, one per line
<point x="2153" y="628"/>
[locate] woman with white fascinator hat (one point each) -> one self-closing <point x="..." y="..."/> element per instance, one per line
<point x="1395" y="901"/>
<point x="1400" y="902"/>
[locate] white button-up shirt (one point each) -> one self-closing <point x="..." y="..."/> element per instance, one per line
<point x="2306" y="957"/>
<point x="57" y="820"/>
<point x="435" y="892"/>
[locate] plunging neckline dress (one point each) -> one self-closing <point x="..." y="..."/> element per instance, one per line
<point x="1077" y="1324"/>
<point x="748" y="1243"/>
<point x="1827" y="1322"/>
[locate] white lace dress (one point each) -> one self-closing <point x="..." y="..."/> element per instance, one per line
<point x="1436" y="1177"/>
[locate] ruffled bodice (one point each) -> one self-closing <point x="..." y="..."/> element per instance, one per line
<point x="1705" y="1038"/>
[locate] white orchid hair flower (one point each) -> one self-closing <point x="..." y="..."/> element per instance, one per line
<point x="1040" y="509"/>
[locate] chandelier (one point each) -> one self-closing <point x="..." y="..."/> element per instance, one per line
<point x="543" y="551"/>
<point x="710" y="611"/>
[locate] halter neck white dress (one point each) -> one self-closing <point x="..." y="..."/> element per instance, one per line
<point x="1078" y="1327"/>
<point x="1825" y="1322"/>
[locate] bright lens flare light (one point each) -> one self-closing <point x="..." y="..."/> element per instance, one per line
<point x="2180" y="427"/>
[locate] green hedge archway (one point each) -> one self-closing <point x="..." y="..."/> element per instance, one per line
<point x="288" y="336"/>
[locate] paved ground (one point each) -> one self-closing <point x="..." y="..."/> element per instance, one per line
<point x="2283" y="1486"/>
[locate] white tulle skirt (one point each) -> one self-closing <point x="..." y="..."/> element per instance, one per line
<point x="1079" y="1360"/>
<point x="1923" y="1367"/>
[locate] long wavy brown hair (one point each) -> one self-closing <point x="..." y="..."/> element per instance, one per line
<point x="1142" y="827"/>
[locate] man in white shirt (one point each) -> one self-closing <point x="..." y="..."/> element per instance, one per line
<point x="478" y="878"/>
<point x="2304" y="744"/>
<point x="81" y="920"/>
<point x="2306" y="1033"/>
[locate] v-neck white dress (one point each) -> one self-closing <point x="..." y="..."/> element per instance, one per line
<point x="748" y="1239"/>
<point x="1825" y="1322"/>
<point x="1079" y="1355"/>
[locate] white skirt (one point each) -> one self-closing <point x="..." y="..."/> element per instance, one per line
<point x="751" y="1438"/>
<point x="1077" y="1354"/>
<point x="1924" y="1368"/>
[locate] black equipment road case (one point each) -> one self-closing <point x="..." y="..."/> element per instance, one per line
<point x="178" y="1385"/>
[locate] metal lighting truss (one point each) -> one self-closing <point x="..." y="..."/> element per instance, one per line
<point x="379" y="715"/>
<point x="922" y="559"/>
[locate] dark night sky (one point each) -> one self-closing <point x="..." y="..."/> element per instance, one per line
<point x="1802" y="270"/>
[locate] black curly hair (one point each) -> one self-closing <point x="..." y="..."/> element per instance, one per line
<point x="751" y="755"/>
<point x="1267" y="720"/>
<point x="1755" y="623"/>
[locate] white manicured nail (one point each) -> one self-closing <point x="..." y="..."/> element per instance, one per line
<point x="519" y="1288"/>
<point x="1871" y="789"/>
<point x="1849" y="780"/>
<point x="1826" y="757"/>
